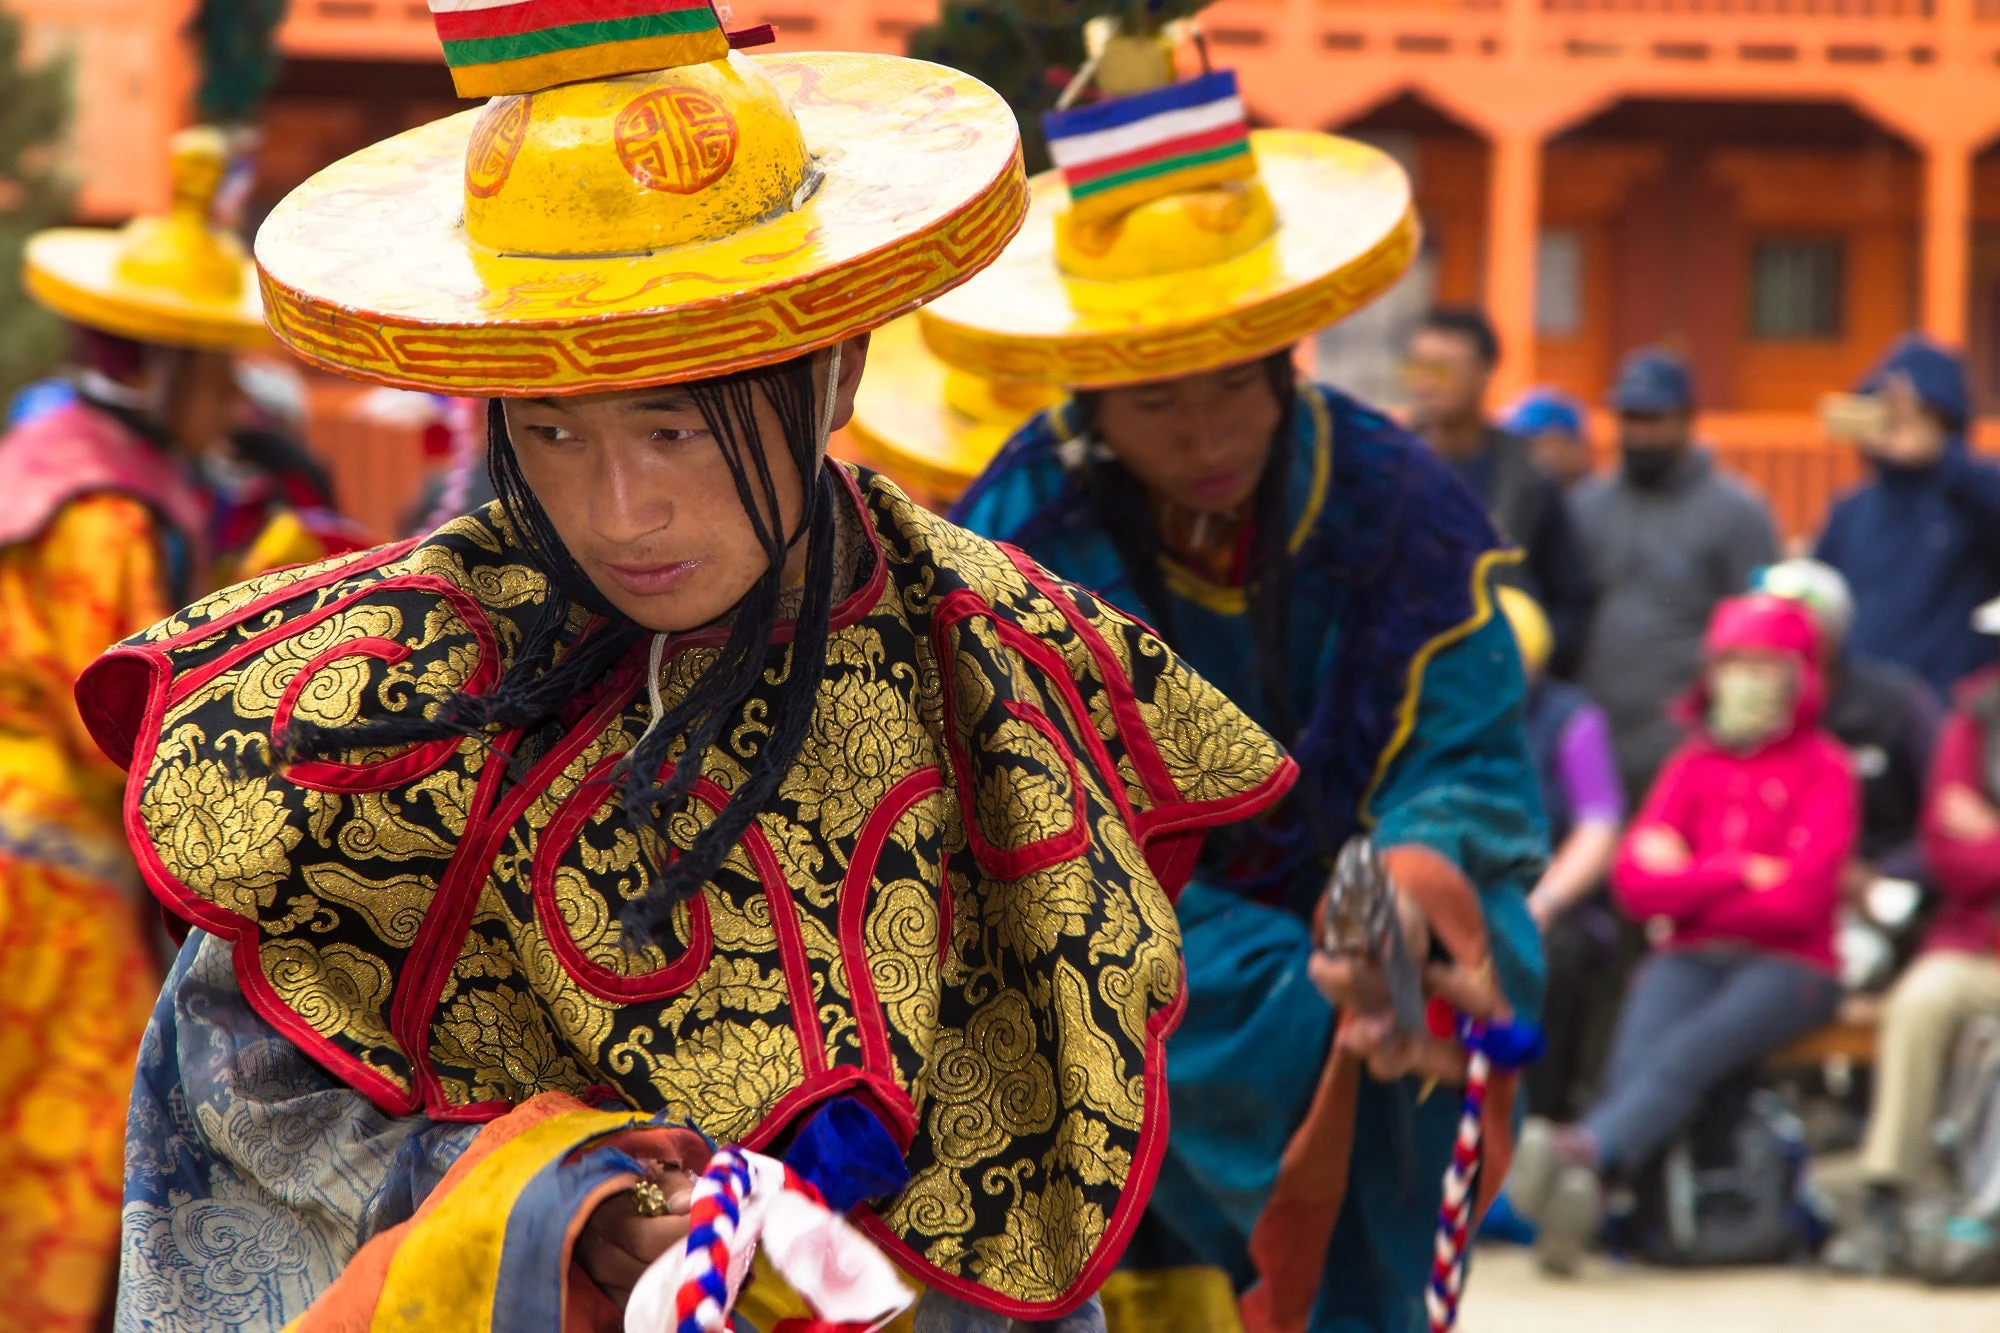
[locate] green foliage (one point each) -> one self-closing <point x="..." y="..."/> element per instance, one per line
<point x="1025" y="63"/>
<point x="1025" y="50"/>
<point x="239" y="57"/>
<point x="1134" y="15"/>
<point x="35" y="105"/>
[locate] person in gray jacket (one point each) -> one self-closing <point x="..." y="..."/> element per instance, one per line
<point x="1667" y="537"/>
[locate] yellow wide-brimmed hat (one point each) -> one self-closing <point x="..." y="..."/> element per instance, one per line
<point x="931" y="427"/>
<point x="1162" y="252"/>
<point x="607" y="223"/>
<point x="176" y="280"/>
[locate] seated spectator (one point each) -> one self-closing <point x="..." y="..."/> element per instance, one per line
<point x="1888" y="719"/>
<point x="1958" y="973"/>
<point x="1734" y="864"/>
<point x="1920" y="543"/>
<point x="1571" y="744"/>
<point x="1450" y="363"/>
<point x="1553" y="425"/>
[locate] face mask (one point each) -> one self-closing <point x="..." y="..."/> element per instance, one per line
<point x="1648" y="468"/>
<point x="1748" y="703"/>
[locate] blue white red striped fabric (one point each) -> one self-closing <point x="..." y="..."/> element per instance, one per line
<point x="1117" y="154"/>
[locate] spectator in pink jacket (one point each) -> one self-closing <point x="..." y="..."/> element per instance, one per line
<point x="1956" y="976"/>
<point x="1733" y="865"/>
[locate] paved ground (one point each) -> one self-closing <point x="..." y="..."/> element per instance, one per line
<point x="1508" y="1296"/>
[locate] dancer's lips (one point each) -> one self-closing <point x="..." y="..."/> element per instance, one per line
<point x="653" y="580"/>
<point x="1217" y="485"/>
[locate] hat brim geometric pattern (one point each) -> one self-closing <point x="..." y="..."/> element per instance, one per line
<point x="1347" y="230"/>
<point x="73" y="271"/>
<point x="367" y="269"/>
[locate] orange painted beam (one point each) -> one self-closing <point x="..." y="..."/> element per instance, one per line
<point x="1947" y="240"/>
<point x="1513" y="223"/>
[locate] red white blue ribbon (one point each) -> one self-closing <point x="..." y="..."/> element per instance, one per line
<point x="746" y="1201"/>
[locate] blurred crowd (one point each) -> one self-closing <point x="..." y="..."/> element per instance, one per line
<point x="1773" y="790"/>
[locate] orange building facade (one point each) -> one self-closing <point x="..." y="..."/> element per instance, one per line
<point x="1775" y="187"/>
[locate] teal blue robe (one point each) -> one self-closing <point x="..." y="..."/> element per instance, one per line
<point x="1411" y="694"/>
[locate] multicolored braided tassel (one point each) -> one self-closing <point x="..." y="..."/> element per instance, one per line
<point x="746" y="1202"/>
<point x="702" y="1304"/>
<point x="1503" y="1046"/>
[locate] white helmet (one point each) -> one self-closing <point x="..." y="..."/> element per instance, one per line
<point x="1816" y="585"/>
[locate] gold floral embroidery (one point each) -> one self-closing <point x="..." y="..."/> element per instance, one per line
<point x="1049" y="1237"/>
<point x="1019" y="1040"/>
<point x="227" y="838"/>
<point x="728" y="1076"/>
<point x="502" y="1035"/>
<point x="1208" y="762"/>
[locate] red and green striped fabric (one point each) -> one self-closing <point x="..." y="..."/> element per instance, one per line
<point x="497" y="47"/>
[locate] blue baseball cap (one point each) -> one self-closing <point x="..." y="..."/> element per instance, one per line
<point x="1539" y="411"/>
<point x="1652" y="383"/>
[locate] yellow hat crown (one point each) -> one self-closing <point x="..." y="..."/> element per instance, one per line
<point x="640" y="204"/>
<point x="636" y="164"/>
<point x="183" y="252"/>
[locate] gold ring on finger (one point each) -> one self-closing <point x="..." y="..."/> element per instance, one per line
<point x="648" y="1199"/>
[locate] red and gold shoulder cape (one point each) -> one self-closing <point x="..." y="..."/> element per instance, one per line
<point x="958" y="907"/>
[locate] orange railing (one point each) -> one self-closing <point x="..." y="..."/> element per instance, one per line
<point x="360" y="29"/>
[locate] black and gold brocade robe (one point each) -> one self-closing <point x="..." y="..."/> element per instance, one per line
<point x="958" y="908"/>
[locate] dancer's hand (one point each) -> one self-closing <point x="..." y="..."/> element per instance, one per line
<point x="617" y="1244"/>
<point x="1357" y="983"/>
<point x="1356" y="987"/>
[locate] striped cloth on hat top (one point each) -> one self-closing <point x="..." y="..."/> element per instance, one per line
<point x="497" y="47"/>
<point x="1118" y="154"/>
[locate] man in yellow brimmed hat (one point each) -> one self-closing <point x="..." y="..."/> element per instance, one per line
<point x="695" y="782"/>
<point x="1318" y="564"/>
<point x="113" y="508"/>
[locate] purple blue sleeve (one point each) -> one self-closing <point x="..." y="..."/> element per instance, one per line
<point x="1589" y="773"/>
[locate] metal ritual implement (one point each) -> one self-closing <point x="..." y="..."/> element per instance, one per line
<point x="1361" y="922"/>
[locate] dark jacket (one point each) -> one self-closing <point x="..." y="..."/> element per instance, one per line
<point x="1663" y="558"/>
<point x="1529" y="507"/>
<point x="1920" y="547"/>
<point x="1888" y="720"/>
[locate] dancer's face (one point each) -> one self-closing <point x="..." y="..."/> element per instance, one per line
<point x="1200" y="441"/>
<point x="641" y="495"/>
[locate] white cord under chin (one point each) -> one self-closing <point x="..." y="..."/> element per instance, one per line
<point x="832" y="398"/>
<point x="657" y="656"/>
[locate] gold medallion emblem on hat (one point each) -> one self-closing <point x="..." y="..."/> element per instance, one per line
<point x="611" y="220"/>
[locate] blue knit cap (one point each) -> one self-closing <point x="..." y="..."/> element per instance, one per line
<point x="1937" y="375"/>
<point x="1540" y="411"/>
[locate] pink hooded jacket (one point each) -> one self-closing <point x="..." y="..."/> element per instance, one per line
<point x="1967" y="871"/>
<point x="1794" y="799"/>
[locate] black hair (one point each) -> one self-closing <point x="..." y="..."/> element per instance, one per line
<point x="1469" y="323"/>
<point x="1126" y="516"/>
<point x="559" y="658"/>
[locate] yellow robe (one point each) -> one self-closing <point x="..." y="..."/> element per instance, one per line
<point x="79" y="972"/>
